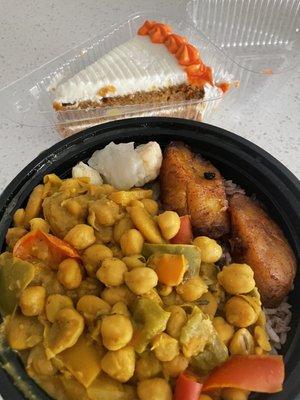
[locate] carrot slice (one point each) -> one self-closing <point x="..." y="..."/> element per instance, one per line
<point x="263" y="374"/>
<point x="45" y="247"/>
<point x="169" y="268"/>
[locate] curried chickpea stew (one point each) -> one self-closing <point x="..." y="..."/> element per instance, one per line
<point x="124" y="292"/>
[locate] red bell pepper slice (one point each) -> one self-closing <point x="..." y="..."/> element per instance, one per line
<point x="187" y="388"/>
<point x="185" y="234"/>
<point x="263" y="374"/>
<point x="45" y="247"/>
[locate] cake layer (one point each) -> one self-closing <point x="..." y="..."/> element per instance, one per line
<point x="169" y="94"/>
<point x="135" y="66"/>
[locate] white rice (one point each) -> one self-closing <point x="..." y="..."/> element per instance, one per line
<point x="232" y="188"/>
<point x="278" y="321"/>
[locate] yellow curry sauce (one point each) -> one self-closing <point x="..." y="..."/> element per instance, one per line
<point x="101" y="305"/>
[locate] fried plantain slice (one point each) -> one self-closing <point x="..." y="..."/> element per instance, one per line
<point x="258" y="241"/>
<point x="190" y="185"/>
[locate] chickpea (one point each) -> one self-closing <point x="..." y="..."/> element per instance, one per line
<point x="55" y="303"/>
<point x="169" y="224"/>
<point x="141" y="280"/>
<point x="234" y="394"/>
<point x="32" y="300"/>
<point x="131" y="242"/>
<point x="239" y="312"/>
<point x="104" y="212"/>
<point x="176" y="366"/>
<point x="208" y="304"/>
<point x="147" y="366"/>
<point x="80" y="236"/>
<point x="154" y="389"/>
<point x="237" y="278"/>
<point x="151" y="206"/>
<point x="39" y="224"/>
<point x="165" y="347"/>
<point x="19" y="217"/>
<point x="261" y="338"/>
<point x="111" y="272"/>
<point x="211" y="251"/>
<point x="134" y="261"/>
<point x="176" y="321"/>
<point x="90" y="307"/>
<point x="119" y="364"/>
<point x="93" y="256"/>
<point x="120" y="308"/>
<point x="121" y="227"/>
<point x="165" y="290"/>
<point x="104" y="234"/>
<point x="254" y="302"/>
<point x="73" y="207"/>
<point x="242" y="343"/>
<point x="116" y="294"/>
<point x="192" y="289"/>
<point x="224" y="330"/>
<point x="116" y="331"/>
<point x="69" y="273"/>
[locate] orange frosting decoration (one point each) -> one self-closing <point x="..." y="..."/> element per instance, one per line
<point x="224" y="86"/>
<point x="203" y="76"/>
<point x="187" y="55"/>
<point x="174" y="41"/>
<point x="144" y="29"/>
<point x="195" y="69"/>
<point x="159" y="33"/>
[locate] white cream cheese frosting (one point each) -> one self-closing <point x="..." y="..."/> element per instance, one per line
<point x="135" y="66"/>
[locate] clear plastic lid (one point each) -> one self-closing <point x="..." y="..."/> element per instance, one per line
<point x="29" y="100"/>
<point x="255" y="42"/>
<point x="259" y="39"/>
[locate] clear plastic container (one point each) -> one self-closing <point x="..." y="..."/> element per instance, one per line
<point x="255" y="41"/>
<point x="259" y="39"/>
<point x="29" y="100"/>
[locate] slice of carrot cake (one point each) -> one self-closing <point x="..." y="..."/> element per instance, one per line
<point x="155" y="66"/>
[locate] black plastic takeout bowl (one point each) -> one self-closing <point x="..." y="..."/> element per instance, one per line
<point x="238" y="159"/>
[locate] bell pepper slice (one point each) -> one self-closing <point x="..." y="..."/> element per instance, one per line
<point x="185" y="233"/>
<point x="43" y="246"/>
<point x="15" y="276"/>
<point x="263" y="374"/>
<point x="187" y="388"/>
<point x="150" y="320"/>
